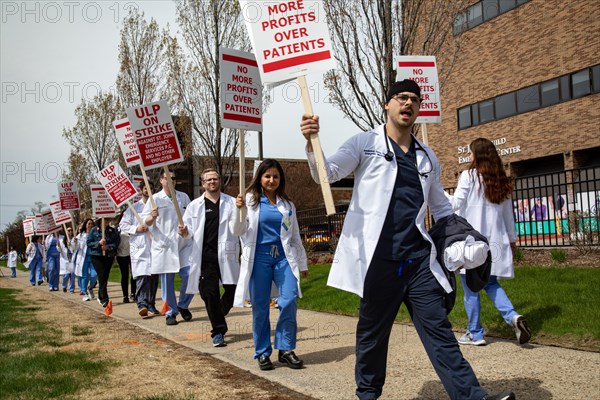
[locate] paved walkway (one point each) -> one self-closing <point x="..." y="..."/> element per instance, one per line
<point x="326" y="344"/>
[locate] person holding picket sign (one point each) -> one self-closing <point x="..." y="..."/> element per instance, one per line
<point x="170" y="253"/>
<point x="385" y="254"/>
<point x="35" y="257"/>
<point x="67" y="269"/>
<point x="139" y="249"/>
<point x="53" y="258"/>
<point x="103" y="249"/>
<point x="272" y="253"/>
<point x="84" y="266"/>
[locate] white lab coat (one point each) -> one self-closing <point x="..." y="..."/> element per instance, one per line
<point x="31" y="251"/>
<point x="12" y="259"/>
<point x="374" y="179"/>
<point x="66" y="265"/>
<point x="290" y="239"/>
<point x="230" y="228"/>
<point x="81" y="250"/>
<point x="139" y="243"/>
<point x="169" y="251"/>
<point x="495" y="221"/>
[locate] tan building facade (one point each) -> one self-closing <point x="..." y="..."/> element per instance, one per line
<point x="528" y="78"/>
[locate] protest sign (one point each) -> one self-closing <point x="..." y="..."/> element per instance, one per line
<point x="28" y="226"/>
<point x="154" y="134"/>
<point x="102" y="204"/>
<point x="241" y="90"/>
<point x="68" y="195"/>
<point x="117" y="185"/>
<point x="59" y="215"/>
<point x="126" y="140"/>
<point x="290" y="38"/>
<point x="423" y="70"/>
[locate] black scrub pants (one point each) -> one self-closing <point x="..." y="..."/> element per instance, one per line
<point x="217" y="307"/>
<point x="386" y="286"/>
<point x="102" y="265"/>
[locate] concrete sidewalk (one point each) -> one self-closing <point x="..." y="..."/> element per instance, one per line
<point x="326" y="344"/>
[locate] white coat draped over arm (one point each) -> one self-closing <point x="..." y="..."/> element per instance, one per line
<point x="494" y="221"/>
<point x="139" y="242"/>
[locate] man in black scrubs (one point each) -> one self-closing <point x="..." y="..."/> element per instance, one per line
<point x="384" y="253"/>
<point x="214" y="224"/>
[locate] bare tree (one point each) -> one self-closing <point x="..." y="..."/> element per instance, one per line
<point x="368" y="34"/>
<point x="194" y="74"/>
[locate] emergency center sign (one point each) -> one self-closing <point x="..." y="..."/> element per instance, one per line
<point x="60" y="216"/>
<point x="117" y="185"/>
<point x="155" y="134"/>
<point x="423" y="70"/>
<point x="290" y="38"/>
<point x="126" y="141"/>
<point x="102" y="204"/>
<point x="68" y="194"/>
<point x="241" y="90"/>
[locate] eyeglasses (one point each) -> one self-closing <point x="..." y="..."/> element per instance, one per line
<point x="403" y="98"/>
<point x="210" y="180"/>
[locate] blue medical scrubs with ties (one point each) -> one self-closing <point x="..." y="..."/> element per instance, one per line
<point x="271" y="265"/>
<point x="400" y="272"/>
<point x="53" y="259"/>
<point x="36" y="265"/>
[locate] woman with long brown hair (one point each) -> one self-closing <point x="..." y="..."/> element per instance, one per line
<point x="483" y="197"/>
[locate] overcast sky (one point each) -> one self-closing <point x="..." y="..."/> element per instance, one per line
<point x="53" y="54"/>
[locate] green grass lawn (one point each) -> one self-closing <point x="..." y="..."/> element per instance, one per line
<point x="558" y="302"/>
<point x="32" y="365"/>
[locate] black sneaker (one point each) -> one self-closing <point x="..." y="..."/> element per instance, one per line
<point x="152" y="310"/>
<point x="171" y="320"/>
<point x="185" y="314"/>
<point x="125" y="299"/>
<point x="522" y="331"/>
<point x="501" y="396"/>
<point x="290" y="359"/>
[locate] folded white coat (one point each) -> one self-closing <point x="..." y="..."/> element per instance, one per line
<point x="467" y="254"/>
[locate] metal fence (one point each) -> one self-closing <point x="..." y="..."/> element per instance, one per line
<point x="551" y="210"/>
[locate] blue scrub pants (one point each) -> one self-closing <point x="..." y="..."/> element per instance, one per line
<point x="473" y="305"/>
<point x="387" y="285"/>
<point x="89" y="277"/>
<point x="69" y="278"/>
<point x="167" y="286"/>
<point x="35" y="266"/>
<point x="272" y="266"/>
<point x="53" y="270"/>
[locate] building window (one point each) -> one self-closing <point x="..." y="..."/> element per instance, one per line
<point x="581" y="83"/>
<point x="475" y="15"/>
<point x="565" y="88"/>
<point x="596" y="78"/>
<point x="505" y="105"/>
<point x="486" y="111"/>
<point x="460" y="23"/>
<point x="528" y="99"/>
<point x="506" y="5"/>
<point x="464" y="117"/>
<point x="475" y="114"/>
<point x="490" y="9"/>
<point x="550" y="92"/>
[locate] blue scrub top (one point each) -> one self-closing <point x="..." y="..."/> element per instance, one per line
<point x="52" y="250"/>
<point x="400" y="238"/>
<point x="269" y="223"/>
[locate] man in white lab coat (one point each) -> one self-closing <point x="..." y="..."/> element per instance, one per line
<point x="169" y="252"/>
<point x="212" y="224"/>
<point x="385" y="254"/>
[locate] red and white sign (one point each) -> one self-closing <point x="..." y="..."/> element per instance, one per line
<point x="102" y="204"/>
<point x="423" y="70"/>
<point x="241" y="90"/>
<point x="117" y="184"/>
<point x="126" y="141"/>
<point x="44" y="223"/>
<point x="60" y="216"/>
<point x="290" y="38"/>
<point x="155" y="135"/>
<point x="28" y="226"/>
<point x="68" y="194"/>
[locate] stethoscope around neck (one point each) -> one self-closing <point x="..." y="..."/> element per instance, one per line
<point x="390" y="155"/>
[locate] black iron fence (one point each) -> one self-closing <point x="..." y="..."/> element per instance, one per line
<point x="551" y="210"/>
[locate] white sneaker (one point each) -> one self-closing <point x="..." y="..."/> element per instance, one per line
<point x="467" y="339"/>
<point x="85" y="298"/>
<point x="522" y="331"/>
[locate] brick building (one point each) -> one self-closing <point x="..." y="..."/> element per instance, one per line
<point x="528" y="78"/>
